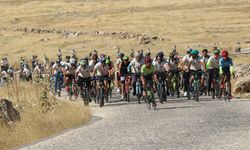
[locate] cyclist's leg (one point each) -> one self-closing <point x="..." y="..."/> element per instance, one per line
<point x="55" y="78"/>
<point x="134" y="80"/>
<point x="123" y="86"/>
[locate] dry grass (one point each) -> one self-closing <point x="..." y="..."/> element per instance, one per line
<point x="194" y="23"/>
<point x="38" y="120"/>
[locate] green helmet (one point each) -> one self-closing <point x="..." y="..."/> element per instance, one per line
<point x="125" y="58"/>
<point x="194" y="52"/>
<point x="216" y="51"/>
<point x="83" y="62"/>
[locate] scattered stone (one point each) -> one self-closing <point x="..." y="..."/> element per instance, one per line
<point x="144" y="40"/>
<point x="7" y="109"/>
<point x="44" y="39"/>
<point x="247" y="41"/>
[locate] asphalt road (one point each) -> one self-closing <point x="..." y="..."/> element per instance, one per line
<point x="177" y="124"/>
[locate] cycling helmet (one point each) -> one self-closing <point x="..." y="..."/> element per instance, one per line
<point x="160" y="54"/>
<point x="194" y="52"/>
<point x="189" y="50"/>
<point x="125" y="58"/>
<point x="171" y="54"/>
<point x="83" y="62"/>
<point x="107" y="57"/>
<point x="224" y="53"/>
<point x="216" y="51"/>
<point x="121" y="55"/>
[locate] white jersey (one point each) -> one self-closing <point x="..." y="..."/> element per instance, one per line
<point x="195" y="63"/>
<point x="83" y="72"/>
<point x="160" y="67"/>
<point x="101" y="71"/>
<point x="135" y="66"/>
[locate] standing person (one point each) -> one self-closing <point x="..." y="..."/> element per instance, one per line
<point x="57" y="73"/>
<point x="59" y="55"/>
<point x="238" y="47"/>
<point x="186" y="73"/>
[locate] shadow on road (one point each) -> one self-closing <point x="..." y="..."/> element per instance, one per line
<point x="176" y="107"/>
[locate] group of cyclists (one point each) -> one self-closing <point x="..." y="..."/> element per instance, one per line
<point x="96" y="70"/>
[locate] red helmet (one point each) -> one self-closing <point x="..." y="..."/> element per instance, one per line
<point x="224" y="53"/>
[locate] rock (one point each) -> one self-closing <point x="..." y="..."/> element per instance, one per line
<point x="242" y="85"/>
<point x="7" y="109"/>
<point x="242" y="70"/>
<point x="247" y="41"/>
<point x="144" y="40"/>
<point x="155" y="37"/>
<point x="44" y="39"/>
<point x="3" y="120"/>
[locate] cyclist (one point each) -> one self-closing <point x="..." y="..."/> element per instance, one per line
<point x="118" y="62"/>
<point x="161" y="70"/>
<point x="213" y="69"/>
<point x="205" y="58"/>
<point x="83" y="75"/>
<point x="93" y="61"/>
<point x="226" y="69"/>
<point x="59" y="55"/>
<point x="101" y="69"/>
<point x="123" y="71"/>
<point x="148" y="75"/>
<point x="186" y="73"/>
<point x="135" y="67"/>
<point x="195" y="66"/>
<point x="172" y="67"/>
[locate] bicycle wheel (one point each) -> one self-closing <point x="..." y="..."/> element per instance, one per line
<point x="75" y="91"/>
<point x="101" y="97"/>
<point x="148" y="103"/>
<point x="160" y="92"/>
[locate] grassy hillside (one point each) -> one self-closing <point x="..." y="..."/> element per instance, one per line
<point x="194" y="23"/>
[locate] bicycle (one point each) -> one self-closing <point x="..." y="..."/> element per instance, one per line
<point x="93" y="90"/>
<point x="101" y="93"/>
<point x="127" y="88"/>
<point x="160" y="88"/>
<point x="215" y="85"/>
<point x="150" y="99"/>
<point x="72" y="90"/>
<point x="85" y="94"/>
<point x="138" y="88"/>
<point x="110" y="88"/>
<point x="175" y="84"/>
<point x="224" y="90"/>
<point x="196" y="86"/>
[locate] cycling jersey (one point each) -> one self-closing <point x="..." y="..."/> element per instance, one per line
<point x="195" y="63"/>
<point x="124" y="69"/>
<point x="226" y="66"/>
<point x="147" y="71"/>
<point x="213" y="63"/>
<point x="135" y="66"/>
<point x="173" y="64"/>
<point x="185" y="61"/>
<point x="101" y="71"/>
<point x="225" y="63"/>
<point x="159" y="67"/>
<point x="83" y="72"/>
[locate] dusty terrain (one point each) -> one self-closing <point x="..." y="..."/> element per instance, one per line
<point x="194" y="23"/>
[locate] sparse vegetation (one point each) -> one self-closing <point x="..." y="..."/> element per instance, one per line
<point x="41" y="114"/>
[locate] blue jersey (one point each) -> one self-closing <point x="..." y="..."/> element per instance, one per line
<point x="225" y="63"/>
